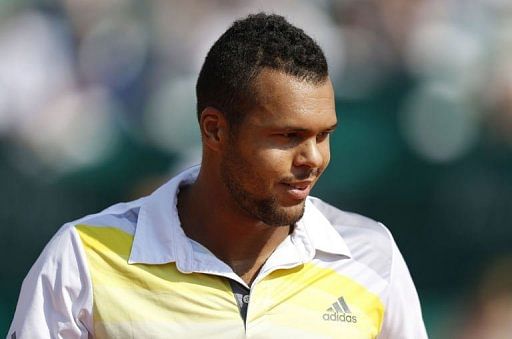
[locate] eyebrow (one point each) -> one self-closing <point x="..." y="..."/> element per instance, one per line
<point x="293" y="128"/>
<point x="333" y="127"/>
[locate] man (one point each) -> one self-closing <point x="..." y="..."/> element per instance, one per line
<point x="234" y="248"/>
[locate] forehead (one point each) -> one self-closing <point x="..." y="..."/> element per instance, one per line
<point x="284" y="99"/>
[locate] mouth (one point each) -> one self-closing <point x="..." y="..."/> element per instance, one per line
<point x="298" y="190"/>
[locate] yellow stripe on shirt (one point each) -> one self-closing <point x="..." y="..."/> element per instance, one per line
<point x="158" y="300"/>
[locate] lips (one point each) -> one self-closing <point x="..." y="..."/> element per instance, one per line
<point x="298" y="190"/>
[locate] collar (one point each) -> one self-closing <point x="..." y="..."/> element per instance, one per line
<point x="314" y="230"/>
<point x="160" y="239"/>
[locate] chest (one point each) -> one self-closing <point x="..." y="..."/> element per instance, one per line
<point x="320" y="299"/>
<point x="160" y="302"/>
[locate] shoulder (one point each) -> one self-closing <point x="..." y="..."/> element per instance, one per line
<point x="369" y="241"/>
<point x="66" y="245"/>
<point x="122" y="216"/>
<point x="350" y="224"/>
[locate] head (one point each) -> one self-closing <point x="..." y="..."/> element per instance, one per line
<point x="266" y="109"/>
<point x="227" y="78"/>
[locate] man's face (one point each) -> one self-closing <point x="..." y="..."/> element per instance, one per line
<point x="280" y="149"/>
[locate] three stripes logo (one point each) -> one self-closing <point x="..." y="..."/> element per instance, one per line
<point x="339" y="311"/>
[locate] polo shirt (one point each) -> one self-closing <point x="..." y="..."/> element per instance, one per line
<point x="130" y="271"/>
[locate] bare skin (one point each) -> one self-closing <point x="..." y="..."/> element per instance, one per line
<point x="280" y="151"/>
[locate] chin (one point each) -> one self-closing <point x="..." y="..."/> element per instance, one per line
<point x="285" y="215"/>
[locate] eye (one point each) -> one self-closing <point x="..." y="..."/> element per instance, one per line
<point x="288" y="138"/>
<point x="290" y="135"/>
<point x="322" y="136"/>
<point x="287" y="135"/>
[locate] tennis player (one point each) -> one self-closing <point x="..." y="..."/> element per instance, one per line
<point x="235" y="247"/>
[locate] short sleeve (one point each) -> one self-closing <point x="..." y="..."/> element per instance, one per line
<point x="56" y="296"/>
<point x="402" y="317"/>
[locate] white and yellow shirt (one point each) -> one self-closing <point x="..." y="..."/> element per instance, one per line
<point x="131" y="272"/>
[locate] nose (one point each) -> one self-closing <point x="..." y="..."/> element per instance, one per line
<point x="309" y="155"/>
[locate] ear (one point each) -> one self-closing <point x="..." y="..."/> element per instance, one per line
<point x="214" y="128"/>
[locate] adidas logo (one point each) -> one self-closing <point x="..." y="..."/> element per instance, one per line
<point x="339" y="311"/>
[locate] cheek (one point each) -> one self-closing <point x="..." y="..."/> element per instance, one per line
<point x="273" y="162"/>
<point x="278" y="159"/>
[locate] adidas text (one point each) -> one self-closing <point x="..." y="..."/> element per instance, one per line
<point x="342" y="317"/>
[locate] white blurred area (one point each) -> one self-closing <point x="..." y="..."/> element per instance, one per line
<point x="62" y="124"/>
<point x="439" y="123"/>
<point x="34" y="69"/>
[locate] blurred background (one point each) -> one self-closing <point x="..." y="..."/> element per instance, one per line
<point x="97" y="105"/>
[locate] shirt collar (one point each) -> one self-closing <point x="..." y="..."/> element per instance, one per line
<point x="315" y="230"/>
<point x="159" y="237"/>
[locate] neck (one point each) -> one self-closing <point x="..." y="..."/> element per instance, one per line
<point x="210" y="216"/>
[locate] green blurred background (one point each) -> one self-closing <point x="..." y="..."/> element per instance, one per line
<point x="97" y="106"/>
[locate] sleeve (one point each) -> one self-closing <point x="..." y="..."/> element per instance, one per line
<point x="56" y="296"/>
<point x="402" y="316"/>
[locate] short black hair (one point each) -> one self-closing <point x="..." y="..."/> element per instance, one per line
<point x="238" y="56"/>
